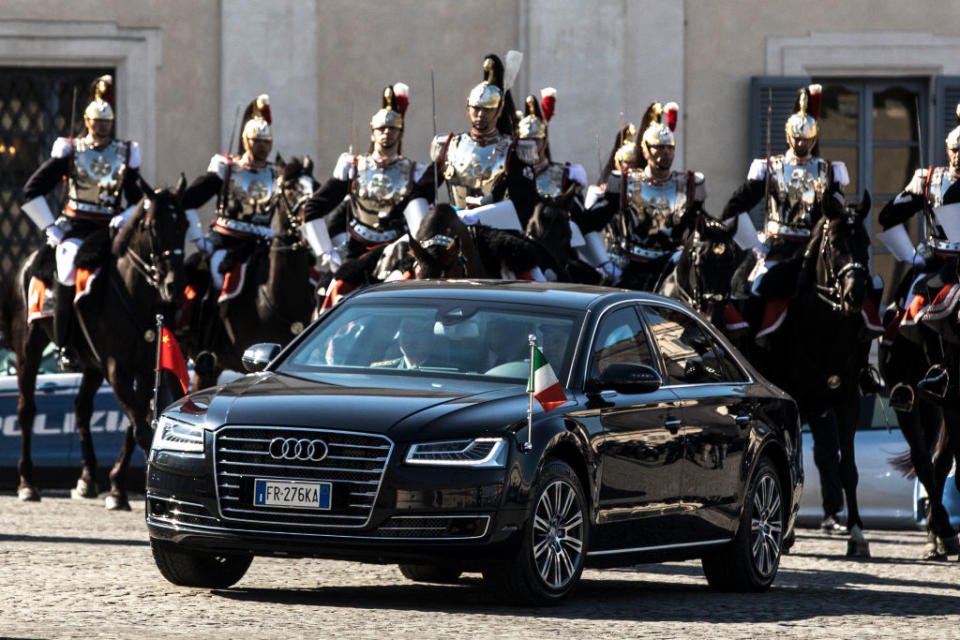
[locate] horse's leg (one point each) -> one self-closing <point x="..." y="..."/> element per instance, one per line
<point x="945" y="456"/>
<point x="847" y="414"/>
<point x="122" y="384"/>
<point x="83" y="409"/>
<point x="826" y="445"/>
<point x="28" y="364"/>
<point x="912" y="428"/>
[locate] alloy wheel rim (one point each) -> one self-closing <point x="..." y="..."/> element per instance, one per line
<point x="558" y="534"/>
<point x="766" y="526"/>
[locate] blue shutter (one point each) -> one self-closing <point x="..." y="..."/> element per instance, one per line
<point x="944" y="116"/>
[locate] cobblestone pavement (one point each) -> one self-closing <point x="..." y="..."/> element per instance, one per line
<point x="69" y="569"/>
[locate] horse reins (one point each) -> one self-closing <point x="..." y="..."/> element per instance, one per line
<point x="833" y="295"/>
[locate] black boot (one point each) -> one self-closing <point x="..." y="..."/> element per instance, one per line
<point x="63" y="326"/>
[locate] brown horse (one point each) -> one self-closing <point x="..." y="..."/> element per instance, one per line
<point x="117" y="318"/>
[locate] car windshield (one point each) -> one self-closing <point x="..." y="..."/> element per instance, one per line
<point x="437" y="337"/>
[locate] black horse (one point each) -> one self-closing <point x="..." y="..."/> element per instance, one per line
<point x="444" y="247"/>
<point x="276" y="299"/>
<point x="550" y="228"/>
<point x="820" y="350"/>
<point x="703" y="275"/>
<point x="916" y="356"/>
<point x="135" y="278"/>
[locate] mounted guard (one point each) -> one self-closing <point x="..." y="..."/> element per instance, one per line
<point x="796" y="187"/>
<point x="560" y="188"/>
<point x="101" y="174"/>
<point x="244" y="185"/>
<point x="371" y="200"/>
<point x="646" y="211"/>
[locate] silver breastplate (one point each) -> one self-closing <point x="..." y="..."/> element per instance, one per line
<point x="97" y="177"/>
<point x="656" y="207"/>
<point x="940" y="181"/>
<point x="377" y="190"/>
<point x="248" y="194"/>
<point x="794" y="191"/>
<point x="472" y="169"/>
<point x="549" y="182"/>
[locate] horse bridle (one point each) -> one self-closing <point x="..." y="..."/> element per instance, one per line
<point x="697" y="298"/>
<point x="149" y="270"/>
<point x="833" y="295"/>
<point x="291" y="214"/>
<point x="440" y="240"/>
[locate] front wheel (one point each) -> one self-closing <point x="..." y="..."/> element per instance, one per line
<point x="197" y="568"/>
<point x="549" y="561"/>
<point x="750" y="561"/>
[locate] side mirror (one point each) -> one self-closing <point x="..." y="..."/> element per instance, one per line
<point x="627" y="377"/>
<point x="257" y="357"/>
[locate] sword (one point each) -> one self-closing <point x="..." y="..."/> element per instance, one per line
<point x="766" y="178"/>
<point x="433" y="99"/>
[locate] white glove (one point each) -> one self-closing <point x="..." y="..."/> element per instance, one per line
<point x="331" y="260"/>
<point x="611" y="272"/>
<point x="203" y="245"/>
<point x="54" y="235"/>
<point x="468" y="218"/>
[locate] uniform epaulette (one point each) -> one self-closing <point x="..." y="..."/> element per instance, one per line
<point x="62" y="147"/>
<point x="437" y="145"/>
<point x="345" y="167"/>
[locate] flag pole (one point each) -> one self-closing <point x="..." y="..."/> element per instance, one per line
<point x="528" y="445"/>
<point x="156" y="379"/>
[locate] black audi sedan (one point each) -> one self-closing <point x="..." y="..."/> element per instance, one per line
<point x="399" y="429"/>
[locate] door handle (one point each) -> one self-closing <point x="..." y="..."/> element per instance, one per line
<point x="672" y="425"/>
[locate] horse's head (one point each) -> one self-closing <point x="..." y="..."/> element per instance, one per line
<point x="295" y="185"/>
<point x="550" y="226"/>
<point x="438" y="246"/>
<point x="153" y="239"/>
<point x="707" y="264"/>
<point x="842" y="247"/>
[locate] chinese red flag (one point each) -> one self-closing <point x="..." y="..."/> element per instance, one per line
<point x="171" y="358"/>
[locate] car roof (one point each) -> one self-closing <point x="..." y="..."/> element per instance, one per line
<point x="555" y="294"/>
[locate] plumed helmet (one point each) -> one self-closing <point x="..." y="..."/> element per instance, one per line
<point x="658" y="124"/>
<point x="625" y="157"/>
<point x="532" y="125"/>
<point x="396" y="99"/>
<point x="101" y="103"/>
<point x="489" y="93"/>
<point x="257" y="119"/>
<point x="803" y="122"/>
<point x="953" y="138"/>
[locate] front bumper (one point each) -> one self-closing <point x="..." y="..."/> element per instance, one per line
<point x="419" y="514"/>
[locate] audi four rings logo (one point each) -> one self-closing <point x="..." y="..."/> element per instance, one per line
<point x="298" y="449"/>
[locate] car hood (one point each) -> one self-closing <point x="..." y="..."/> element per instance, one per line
<point x="403" y="407"/>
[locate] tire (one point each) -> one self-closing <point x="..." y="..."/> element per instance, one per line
<point x="196" y="568"/>
<point x="546" y="566"/>
<point x="430" y="573"/>
<point x="750" y="561"/>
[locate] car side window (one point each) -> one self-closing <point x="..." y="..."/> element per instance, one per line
<point x="620" y="338"/>
<point x="691" y="355"/>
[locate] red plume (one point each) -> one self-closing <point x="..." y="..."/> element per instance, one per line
<point x="672" y="111"/>
<point x="816" y="100"/>
<point x="548" y="102"/>
<point x="402" y="93"/>
<point x="262" y="107"/>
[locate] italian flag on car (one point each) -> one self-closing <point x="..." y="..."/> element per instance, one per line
<point x="543" y="383"/>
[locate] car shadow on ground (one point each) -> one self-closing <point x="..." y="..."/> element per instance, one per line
<point x="5" y="537"/>
<point x="838" y="593"/>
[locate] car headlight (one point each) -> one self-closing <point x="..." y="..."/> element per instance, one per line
<point x="171" y="435"/>
<point x="476" y="452"/>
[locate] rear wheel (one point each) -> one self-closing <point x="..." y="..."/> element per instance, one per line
<point x="750" y="561"/>
<point x="549" y="561"/>
<point x="196" y="568"/>
<point x="430" y="573"/>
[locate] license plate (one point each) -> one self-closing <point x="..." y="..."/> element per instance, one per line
<point x="295" y="494"/>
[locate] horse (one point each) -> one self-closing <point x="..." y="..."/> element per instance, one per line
<point x="275" y="298"/>
<point x="819" y="351"/>
<point x="916" y="356"/>
<point x="703" y="275"/>
<point x="549" y="227"/>
<point x="444" y="247"/>
<point x="132" y="278"/>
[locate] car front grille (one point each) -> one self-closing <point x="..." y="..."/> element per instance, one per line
<point x="354" y="465"/>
